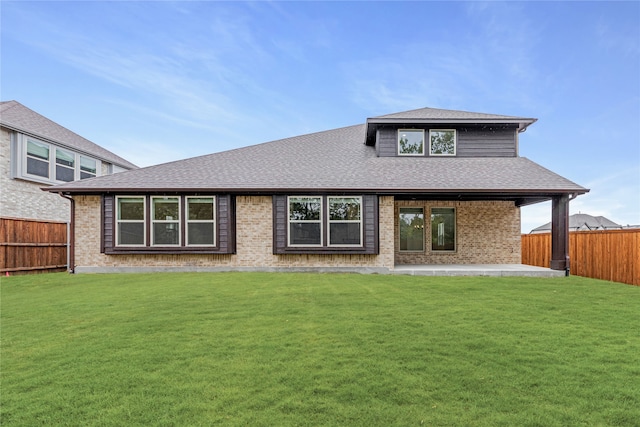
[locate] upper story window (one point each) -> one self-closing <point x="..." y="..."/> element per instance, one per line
<point x="410" y="142"/>
<point x="442" y="142"/>
<point x="35" y="160"/>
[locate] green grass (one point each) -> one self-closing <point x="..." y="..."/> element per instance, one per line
<point x="310" y="349"/>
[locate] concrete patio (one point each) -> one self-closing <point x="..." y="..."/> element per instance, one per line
<point x="477" y="270"/>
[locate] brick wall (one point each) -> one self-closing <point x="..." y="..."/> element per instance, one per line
<point x="486" y="233"/>
<point x="254" y="235"/>
<point x="24" y="199"/>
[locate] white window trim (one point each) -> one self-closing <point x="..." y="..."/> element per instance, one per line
<point x="455" y="142"/>
<point x="20" y="158"/>
<point x="455" y="231"/>
<point x="423" y="233"/>
<point x="144" y="221"/>
<point x="165" y="221"/>
<point x="330" y="221"/>
<point x="187" y="221"/>
<point x="410" y="154"/>
<point x="319" y="221"/>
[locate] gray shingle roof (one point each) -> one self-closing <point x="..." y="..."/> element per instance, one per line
<point x="334" y="160"/>
<point x="444" y="115"/>
<point x="583" y="222"/>
<point x="16" y="116"/>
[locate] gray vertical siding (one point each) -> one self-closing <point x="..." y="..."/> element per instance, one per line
<point x="485" y="141"/>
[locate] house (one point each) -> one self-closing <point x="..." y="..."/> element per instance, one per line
<point x="426" y="186"/>
<point x="582" y="222"/>
<point x="37" y="152"/>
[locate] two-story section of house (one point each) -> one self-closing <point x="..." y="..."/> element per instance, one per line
<point x="426" y="187"/>
<point x="36" y="152"/>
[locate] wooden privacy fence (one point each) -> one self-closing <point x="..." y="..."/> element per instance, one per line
<point x="609" y="255"/>
<point x="29" y="246"/>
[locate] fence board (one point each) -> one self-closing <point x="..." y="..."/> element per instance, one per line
<point x="32" y="246"/>
<point x="609" y="255"/>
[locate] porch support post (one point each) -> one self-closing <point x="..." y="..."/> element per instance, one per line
<point x="560" y="233"/>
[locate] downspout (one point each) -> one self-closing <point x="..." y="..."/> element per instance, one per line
<point x="71" y="258"/>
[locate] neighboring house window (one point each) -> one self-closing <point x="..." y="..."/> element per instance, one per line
<point x="130" y="222"/>
<point x="201" y="224"/>
<point x="165" y="221"/>
<point x="157" y="224"/>
<point x="88" y="167"/>
<point x="327" y="224"/>
<point x="411" y="223"/>
<point x="443" y="229"/>
<point x="442" y="142"/>
<point x="305" y="221"/>
<point x="410" y="142"/>
<point x="345" y="221"/>
<point x="35" y="160"/>
<point x="65" y="169"/>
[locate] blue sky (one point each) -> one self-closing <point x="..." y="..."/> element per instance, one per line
<point x="161" y="81"/>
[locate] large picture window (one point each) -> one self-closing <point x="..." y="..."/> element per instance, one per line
<point x="201" y="224"/>
<point x="130" y="221"/>
<point x="442" y="142"/>
<point x="411" y="142"/>
<point x="305" y="221"/>
<point x="345" y="221"/>
<point x="411" y="224"/>
<point x="443" y="229"/>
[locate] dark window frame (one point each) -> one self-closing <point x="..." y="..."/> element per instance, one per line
<point x="370" y="233"/>
<point x="224" y="226"/>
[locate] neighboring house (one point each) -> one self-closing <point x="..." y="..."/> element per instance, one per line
<point x="582" y="222"/>
<point x="35" y="152"/>
<point x="425" y="186"/>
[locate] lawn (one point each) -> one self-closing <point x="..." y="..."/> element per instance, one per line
<point x="312" y="349"/>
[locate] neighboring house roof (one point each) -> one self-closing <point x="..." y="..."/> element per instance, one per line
<point x="16" y="116"/>
<point x="337" y="160"/>
<point x="583" y="222"/>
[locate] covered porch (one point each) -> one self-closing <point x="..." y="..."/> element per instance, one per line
<point x="497" y="270"/>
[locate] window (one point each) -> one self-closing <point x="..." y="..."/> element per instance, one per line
<point x="345" y="221"/>
<point x="443" y="229"/>
<point x="88" y="167"/>
<point x="37" y="158"/>
<point x="411" y="223"/>
<point x="65" y="170"/>
<point x="130" y="223"/>
<point x="169" y="224"/>
<point x="165" y="221"/>
<point x="410" y="142"/>
<point x="201" y="224"/>
<point x="305" y="221"/>
<point x="39" y="161"/>
<point x="442" y="142"/>
<point x="326" y="224"/>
